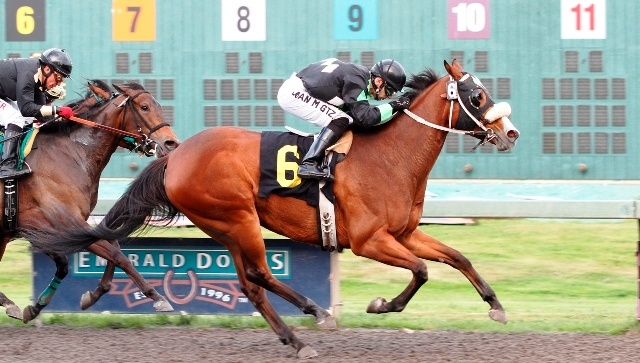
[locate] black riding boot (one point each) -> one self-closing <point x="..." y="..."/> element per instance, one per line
<point x="10" y="157"/>
<point x="311" y="166"/>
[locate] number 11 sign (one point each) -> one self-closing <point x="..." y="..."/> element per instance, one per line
<point x="584" y="19"/>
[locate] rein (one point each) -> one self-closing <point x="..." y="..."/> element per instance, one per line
<point x="139" y="141"/>
<point x="104" y="127"/>
<point x="453" y="95"/>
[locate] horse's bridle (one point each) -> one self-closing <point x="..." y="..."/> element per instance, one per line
<point x="147" y="145"/>
<point x="453" y="94"/>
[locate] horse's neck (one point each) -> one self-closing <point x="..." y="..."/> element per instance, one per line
<point x="416" y="145"/>
<point x="91" y="148"/>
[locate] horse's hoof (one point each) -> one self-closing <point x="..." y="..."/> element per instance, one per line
<point x="375" y="305"/>
<point x="307" y="352"/>
<point x="29" y="313"/>
<point x="327" y="323"/>
<point x="86" y="301"/>
<point x="162" y="306"/>
<point x="13" y="311"/>
<point x="498" y="315"/>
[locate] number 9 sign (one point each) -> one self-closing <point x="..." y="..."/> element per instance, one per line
<point x="25" y="20"/>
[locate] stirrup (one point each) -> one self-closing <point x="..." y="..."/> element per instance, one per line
<point x="313" y="171"/>
<point x="10" y="171"/>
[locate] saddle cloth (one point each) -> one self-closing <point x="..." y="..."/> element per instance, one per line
<point x="280" y="155"/>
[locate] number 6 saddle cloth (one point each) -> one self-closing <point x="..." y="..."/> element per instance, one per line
<point x="280" y="155"/>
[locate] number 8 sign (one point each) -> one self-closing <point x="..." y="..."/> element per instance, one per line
<point x="244" y="20"/>
<point x="468" y="19"/>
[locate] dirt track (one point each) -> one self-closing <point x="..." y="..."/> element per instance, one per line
<point x="63" y="344"/>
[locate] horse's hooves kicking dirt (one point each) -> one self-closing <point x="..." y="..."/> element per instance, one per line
<point x="498" y="315"/>
<point x="13" y="311"/>
<point x="327" y="323"/>
<point x="307" y="352"/>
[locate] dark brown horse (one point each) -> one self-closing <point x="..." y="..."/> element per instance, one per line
<point x="67" y="164"/>
<point x="213" y="179"/>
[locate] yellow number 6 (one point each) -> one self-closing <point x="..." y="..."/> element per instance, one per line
<point x="25" y="24"/>
<point x="283" y="166"/>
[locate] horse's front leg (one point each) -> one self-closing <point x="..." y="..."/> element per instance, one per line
<point x="62" y="269"/>
<point x="11" y="309"/>
<point x="429" y="248"/>
<point x="113" y="254"/>
<point x="384" y="248"/>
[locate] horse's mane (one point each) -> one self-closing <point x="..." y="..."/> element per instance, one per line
<point x="133" y="86"/>
<point x="419" y="82"/>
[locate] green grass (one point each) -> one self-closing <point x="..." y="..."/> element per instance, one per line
<point x="550" y="275"/>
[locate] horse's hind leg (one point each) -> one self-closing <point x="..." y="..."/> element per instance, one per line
<point x="62" y="269"/>
<point x="429" y="248"/>
<point x="258" y="297"/>
<point x="113" y="254"/>
<point x="89" y="298"/>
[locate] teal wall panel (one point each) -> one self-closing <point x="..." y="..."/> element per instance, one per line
<point x="572" y="99"/>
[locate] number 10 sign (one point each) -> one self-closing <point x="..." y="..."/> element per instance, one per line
<point x="468" y="19"/>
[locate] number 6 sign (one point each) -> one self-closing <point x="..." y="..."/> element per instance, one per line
<point x="584" y="19"/>
<point x="25" y="20"/>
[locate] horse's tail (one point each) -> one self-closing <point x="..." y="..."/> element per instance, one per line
<point x="144" y="197"/>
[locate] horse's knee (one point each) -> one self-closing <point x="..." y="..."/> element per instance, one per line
<point x="257" y="276"/>
<point x="421" y="272"/>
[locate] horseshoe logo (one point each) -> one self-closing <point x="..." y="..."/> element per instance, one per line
<point x="193" y="280"/>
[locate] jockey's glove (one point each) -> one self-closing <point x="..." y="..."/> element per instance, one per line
<point x="64" y="111"/>
<point x="400" y="104"/>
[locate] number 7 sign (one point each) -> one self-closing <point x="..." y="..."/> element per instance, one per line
<point x="133" y="20"/>
<point x="583" y="19"/>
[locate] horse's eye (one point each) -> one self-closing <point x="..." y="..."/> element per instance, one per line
<point x="145" y="108"/>
<point x="476" y="97"/>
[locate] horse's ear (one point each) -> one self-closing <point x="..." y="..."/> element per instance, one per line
<point x="118" y="89"/>
<point x="99" y="91"/>
<point x="454" y="69"/>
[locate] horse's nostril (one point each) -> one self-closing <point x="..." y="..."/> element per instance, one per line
<point x="512" y="134"/>
<point x="171" y="144"/>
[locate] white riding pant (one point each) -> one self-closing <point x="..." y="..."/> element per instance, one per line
<point x="294" y="98"/>
<point x="9" y="114"/>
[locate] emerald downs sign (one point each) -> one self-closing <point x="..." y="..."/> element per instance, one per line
<point x="196" y="275"/>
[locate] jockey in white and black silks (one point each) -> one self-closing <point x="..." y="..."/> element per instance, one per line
<point x="23" y="83"/>
<point x="334" y="94"/>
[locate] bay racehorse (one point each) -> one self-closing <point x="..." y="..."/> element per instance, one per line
<point x="67" y="163"/>
<point x="213" y="179"/>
